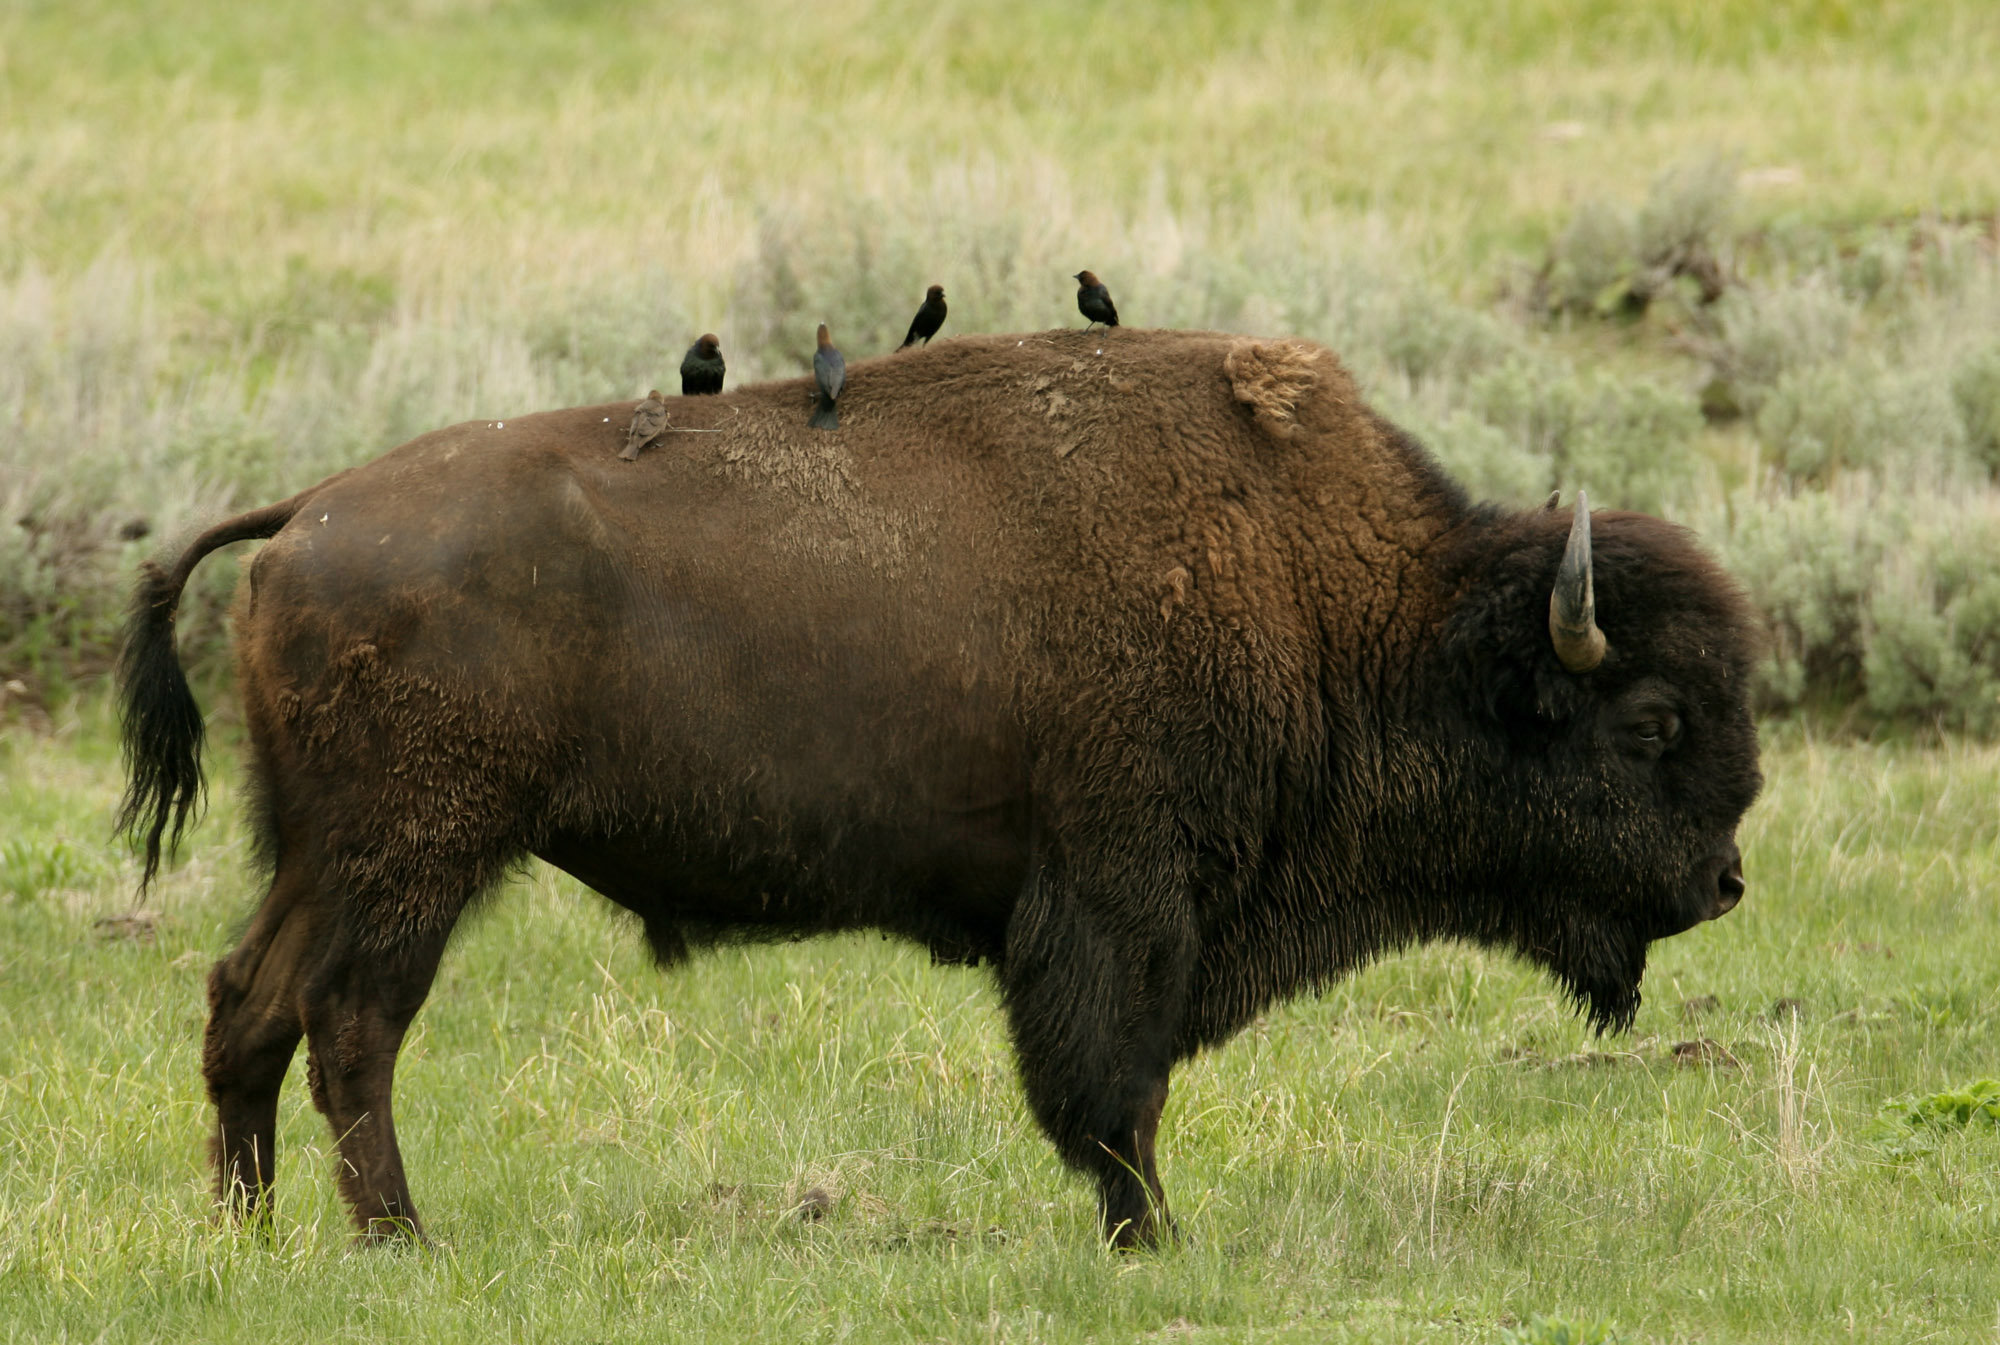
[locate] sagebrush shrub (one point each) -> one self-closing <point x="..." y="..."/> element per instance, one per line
<point x="1690" y="208"/>
<point x="1807" y="561"/>
<point x="1975" y="388"/>
<point x="1626" y="441"/>
<point x="1770" y="330"/>
<point x="1933" y="626"/>
<point x="1868" y="376"/>
<point x="1593" y="261"/>
<point x="1633" y="444"/>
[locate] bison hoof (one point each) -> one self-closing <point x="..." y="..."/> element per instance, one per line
<point x="391" y="1232"/>
<point x="1146" y="1234"/>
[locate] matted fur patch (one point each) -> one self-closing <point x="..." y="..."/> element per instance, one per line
<point x="1272" y="378"/>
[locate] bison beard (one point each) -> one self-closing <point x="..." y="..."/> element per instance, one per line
<point x="1600" y="970"/>
<point x="1163" y="677"/>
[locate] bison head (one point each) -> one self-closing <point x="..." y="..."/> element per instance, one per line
<point x="1601" y="742"/>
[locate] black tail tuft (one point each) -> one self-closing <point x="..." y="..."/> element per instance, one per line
<point x="161" y="724"/>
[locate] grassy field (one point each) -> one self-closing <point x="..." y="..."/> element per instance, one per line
<point x="482" y="139"/>
<point x="1436" y="1150"/>
<point x="244" y="246"/>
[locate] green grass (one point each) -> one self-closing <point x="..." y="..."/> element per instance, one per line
<point x="1434" y="1150"/>
<point x="614" y="133"/>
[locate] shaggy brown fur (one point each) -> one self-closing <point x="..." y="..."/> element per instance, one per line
<point x="1168" y="680"/>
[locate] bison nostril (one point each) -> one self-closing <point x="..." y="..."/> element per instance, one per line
<point x="1729" y="887"/>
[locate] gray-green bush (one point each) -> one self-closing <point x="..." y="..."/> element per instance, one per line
<point x="1975" y="387"/>
<point x="1856" y="499"/>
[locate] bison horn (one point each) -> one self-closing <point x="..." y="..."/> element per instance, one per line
<point x="1573" y="605"/>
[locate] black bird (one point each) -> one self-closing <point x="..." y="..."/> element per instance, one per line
<point x="649" y="422"/>
<point x="830" y="372"/>
<point x="928" y="319"/>
<point x="701" y="369"/>
<point x="1094" y="301"/>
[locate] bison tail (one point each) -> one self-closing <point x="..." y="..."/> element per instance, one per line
<point x="825" y="416"/>
<point x="160" y="723"/>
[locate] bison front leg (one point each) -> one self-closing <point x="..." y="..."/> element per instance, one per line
<point x="357" y="1011"/>
<point x="1130" y="1200"/>
<point x="1095" y="1007"/>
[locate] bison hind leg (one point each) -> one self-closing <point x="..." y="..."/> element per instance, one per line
<point x="357" y="1009"/>
<point x="396" y="915"/>
<point x="253" y="1030"/>
<point x="413" y="796"/>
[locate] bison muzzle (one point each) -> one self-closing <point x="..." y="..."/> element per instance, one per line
<point x="1162" y="676"/>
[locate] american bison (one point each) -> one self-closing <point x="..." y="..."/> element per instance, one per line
<point x="1152" y="669"/>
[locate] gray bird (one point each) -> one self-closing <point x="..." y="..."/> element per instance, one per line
<point x="830" y="373"/>
<point x="649" y="422"/>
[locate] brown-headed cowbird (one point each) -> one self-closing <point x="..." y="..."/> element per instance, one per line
<point x="701" y="369"/>
<point x="928" y="319"/>
<point x="1094" y="301"/>
<point x="649" y="422"/>
<point x="830" y="372"/>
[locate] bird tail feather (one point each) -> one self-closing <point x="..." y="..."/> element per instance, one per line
<point x="825" y="416"/>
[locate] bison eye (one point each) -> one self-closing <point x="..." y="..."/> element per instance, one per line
<point x="1653" y="731"/>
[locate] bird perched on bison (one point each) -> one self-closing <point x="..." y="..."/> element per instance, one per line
<point x="1168" y="695"/>
<point x="829" y="376"/>
<point x="1093" y="300"/>
<point x="649" y="422"/>
<point x="702" y="367"/>
<point x="929" y="318"/>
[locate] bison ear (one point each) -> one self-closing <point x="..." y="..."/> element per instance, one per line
<point x="1511" y="695"/>
<point x="1530" y="700"/>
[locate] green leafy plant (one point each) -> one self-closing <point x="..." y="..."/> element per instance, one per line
<point x="30" y="868"/>
<point x="1541" y="1330"/>
<point x="1915" y="1123"/>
